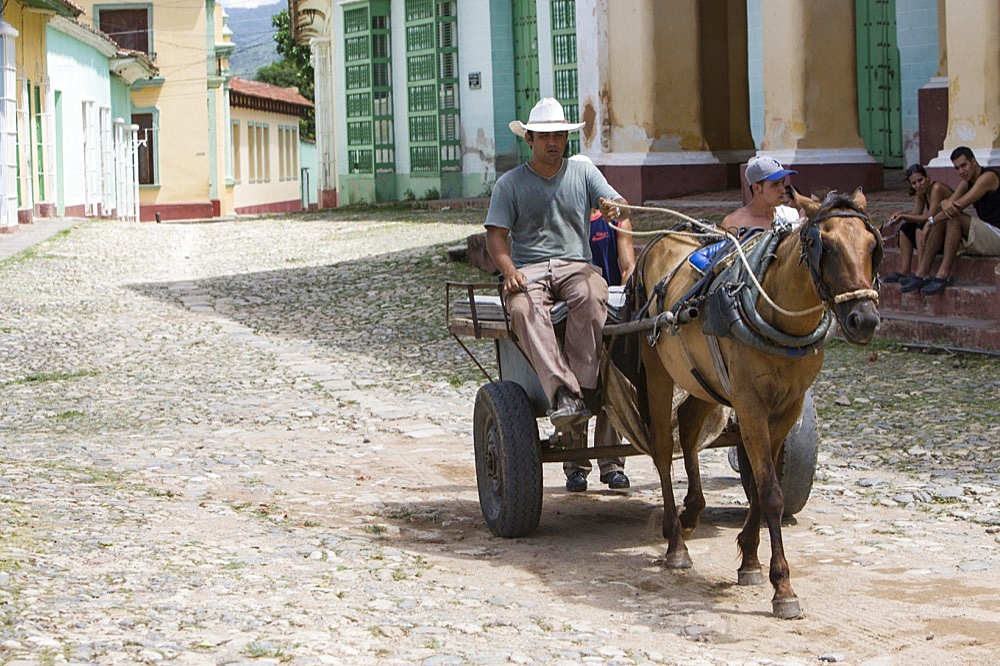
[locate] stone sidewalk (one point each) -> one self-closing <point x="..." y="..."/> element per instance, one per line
<point x="27" y="235"/>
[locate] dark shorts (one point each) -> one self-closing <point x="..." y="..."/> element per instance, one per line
<point x="909" y="229"/>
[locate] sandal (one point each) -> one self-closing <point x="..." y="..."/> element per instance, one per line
<point x="913" y="283"/>
<point x="936" y="286"/>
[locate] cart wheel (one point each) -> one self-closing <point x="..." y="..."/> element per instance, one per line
<point x="796" y="463"/>
<point x="508" y="459"/>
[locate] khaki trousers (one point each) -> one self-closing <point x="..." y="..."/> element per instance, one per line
<point x="580" y="284"/>
<point x="604" y="435"/>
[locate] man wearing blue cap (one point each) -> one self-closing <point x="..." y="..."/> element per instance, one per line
<point x="766" y="178"/>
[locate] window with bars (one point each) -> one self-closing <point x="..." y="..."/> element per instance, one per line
<point x="237" y="156"/>
<point x="282" y="167"/>
<point x="147" y="148"/>
<point x="259" y="152"/>
<point x="356" y="48"/>
<point x="267" y="152"/>
<point x="368" y="79"/>
<point x="432" y="85"/>
<point x="565" y="63"/>
<point x="292" y="152"/>
<point x="251" y="153"/>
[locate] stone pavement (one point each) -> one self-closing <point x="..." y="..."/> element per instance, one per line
<point x="213" y="434"/>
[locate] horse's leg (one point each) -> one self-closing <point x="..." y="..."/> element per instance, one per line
<point x="770" y="503"/>
<point x="691" y="415"/>
<point x="660" y="389"/>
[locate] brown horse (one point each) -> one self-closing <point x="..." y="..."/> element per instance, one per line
<point x="824" y="269"/>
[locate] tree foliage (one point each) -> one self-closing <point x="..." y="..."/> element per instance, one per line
<point x="294" y="69"/>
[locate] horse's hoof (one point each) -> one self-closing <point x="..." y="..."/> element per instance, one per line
<point x="786" y="609"/>
<point x="750" y="577"/>
<point x="677" y="560"/>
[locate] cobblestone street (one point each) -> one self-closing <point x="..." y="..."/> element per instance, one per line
<point x="250" y="442"/>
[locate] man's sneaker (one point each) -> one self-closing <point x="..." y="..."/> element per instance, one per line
<point x="576" y="482"/>
<point x="569" y="410"/>
<point x="616" y="480"/>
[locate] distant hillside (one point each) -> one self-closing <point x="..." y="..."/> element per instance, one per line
<point x="254" y="38"/>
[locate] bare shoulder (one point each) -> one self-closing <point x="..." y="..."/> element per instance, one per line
<point x="990" y="178"/>
<point x="938" y="187"/>
<point x="734" y="219"/>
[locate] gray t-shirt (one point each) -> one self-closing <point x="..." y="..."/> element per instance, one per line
<point x="548" y="218"/>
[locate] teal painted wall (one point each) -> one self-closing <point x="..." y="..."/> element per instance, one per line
<point x="917" y="38"/>
<point x="121" y="101"/>
<point x="78" y="72"/>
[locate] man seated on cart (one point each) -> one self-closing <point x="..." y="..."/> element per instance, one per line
<point x="538" y="235"/>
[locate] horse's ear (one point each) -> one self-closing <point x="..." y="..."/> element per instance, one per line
<point x="807" y="204"/>
<point x="859" y="199"/>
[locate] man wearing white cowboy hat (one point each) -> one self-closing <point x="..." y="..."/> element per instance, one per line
<point x="542" y="208"/>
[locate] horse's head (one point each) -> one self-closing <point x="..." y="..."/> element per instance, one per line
<point x="843" y="252"/>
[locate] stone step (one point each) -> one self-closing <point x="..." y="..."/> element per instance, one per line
<point x="967" y="269"/>
<point x="958" y="332"/>
<point x="971" y="301"/>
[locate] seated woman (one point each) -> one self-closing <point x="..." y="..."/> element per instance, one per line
<point x="927" y="197"/>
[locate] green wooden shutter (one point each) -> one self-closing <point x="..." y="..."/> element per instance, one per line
<point x="879" y="97"/>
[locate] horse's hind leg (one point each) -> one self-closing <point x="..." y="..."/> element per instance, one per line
<point x="691" y="415"/>
<point x="660" y="388"/>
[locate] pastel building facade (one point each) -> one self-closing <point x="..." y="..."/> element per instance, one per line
<point x="413" y="97"/>
<point x="267" y="155"/>
<point x="185" y="161"/>
<point x="66" y="144"/>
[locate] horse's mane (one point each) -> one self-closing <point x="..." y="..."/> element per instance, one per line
<point x="835" y="200"/>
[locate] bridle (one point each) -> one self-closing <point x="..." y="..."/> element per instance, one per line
<point x="811" y="244"/>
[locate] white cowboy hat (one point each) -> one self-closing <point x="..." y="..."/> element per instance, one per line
<point x="546" y="116"/>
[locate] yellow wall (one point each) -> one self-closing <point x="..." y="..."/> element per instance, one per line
<point x="180" y="44"/>
<point x="30" y="58"/>
<point x="274" y="189"/>
<point x="30" y="45"/>
<point x="974" y="75"/>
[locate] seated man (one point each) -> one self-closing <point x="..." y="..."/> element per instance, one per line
<point x="975" y="231"/>
<point x="614" y="253"/>
<point x="766" y="179"/>
<point x="542" y="207"/>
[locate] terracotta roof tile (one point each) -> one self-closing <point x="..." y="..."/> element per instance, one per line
<point x="267" y="91"/>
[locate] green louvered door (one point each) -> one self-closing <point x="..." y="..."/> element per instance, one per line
<point x="879" y="106"/>
<point x="526" y="89"/>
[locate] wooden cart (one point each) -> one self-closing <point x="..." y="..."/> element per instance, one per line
<point x="509" y="451"/>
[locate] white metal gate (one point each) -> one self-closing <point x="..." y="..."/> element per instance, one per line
<point x="8" y="126"/>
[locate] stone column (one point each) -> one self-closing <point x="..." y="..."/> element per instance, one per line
<point x="641" y="96"/>
<point x="810" y="95"/>
<point x="973" y="53"/>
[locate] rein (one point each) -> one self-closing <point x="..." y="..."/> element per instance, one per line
<point x="809" y="236"/>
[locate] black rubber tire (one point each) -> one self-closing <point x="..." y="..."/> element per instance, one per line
<point x="796" y="462"/>
<point x="508" y="459"/>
